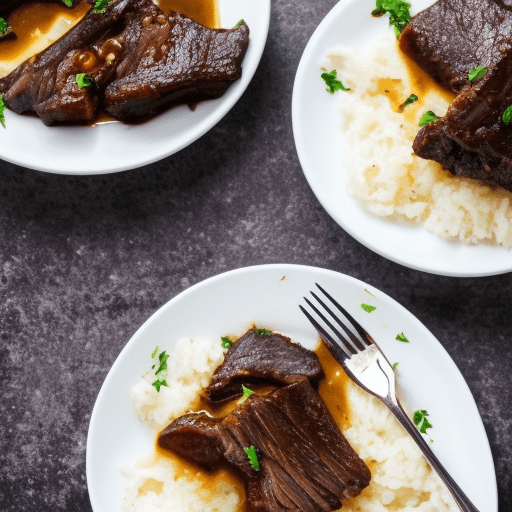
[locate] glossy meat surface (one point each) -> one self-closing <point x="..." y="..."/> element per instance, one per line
<point x="268" y="358"/>
<point x="452" y="37"/>
<point x="472" y="140"/>
<point x="306" y="464"/>
<point x="141" y="61"/>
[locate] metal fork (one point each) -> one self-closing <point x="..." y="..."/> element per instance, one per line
<point x="367" y="366"/>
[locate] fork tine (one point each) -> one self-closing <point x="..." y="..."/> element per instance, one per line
<point x="356" y="342"/>
<point x="332" y="345"/>
<point x="357" y="326"/>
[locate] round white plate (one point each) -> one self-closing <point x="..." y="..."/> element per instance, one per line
<point x="113" y="147"/>
<point x="319" y="142"/>
<point x="269" y="296"/>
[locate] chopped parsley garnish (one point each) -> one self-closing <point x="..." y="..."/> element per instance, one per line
<point x="161" y="371"/>
<point x="507" y="115"/>
<point x="68" y="3"/>
<point x="333" y="84"/>
<point x="401" y="337"/>
<point x="241" y="22"/>
<point x="395" y="365"/>
<point x="476" y="74"/>
<point x="368" y="308"/>
<point x="253" y="457"/>
<point x="4" y="27"/>
<point x="420" y="420"/>
<point x="398" y="10"/>
<point x="427" y="118"/>
<point x="84" y="80"/>
<point x="260" y="332"/>
<point x="410" y="100"/>
<point x="246" y="393"/>
<point x="2" y="109"/>
<point x="100" y="6"/>
<point x="226" y="342"/>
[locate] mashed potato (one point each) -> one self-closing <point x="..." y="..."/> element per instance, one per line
<point x="384" y="174"/>
<point x="402" y="481"/>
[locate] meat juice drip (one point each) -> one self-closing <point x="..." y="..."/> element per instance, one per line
<point x="205" y="12"/>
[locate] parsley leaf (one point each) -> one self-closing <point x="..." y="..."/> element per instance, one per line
<point x="476" y="74"/>
<point x="226" y="342"/>
<point x="368" y="308"/>
<point x="411" y="99"/>
<point x="427" y="118"/>
<point x="100" y="6"/>
<point x="246" y="393"/>
<point x="4" y="27"/>
<point x="84" y="80"/>
<point x="507" y="115"/>
<point x="398" y="11"/>
<point x="68" y="3"/>
<point x="241" y="22"/>
<point x="253" y="457"/>
<point x="420" y="420"/>
<point x="162" y="371"/>
<point x="401" y="337"/>
<point x="2" y="109"/>
<point x="395" y="365"/>
<point x="333" y="84"/>
<point x="260" y="332"/>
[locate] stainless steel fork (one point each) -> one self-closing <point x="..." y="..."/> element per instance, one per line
<point x="368" y="367"/>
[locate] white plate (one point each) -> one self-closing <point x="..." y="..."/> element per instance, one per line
<point x="318" y="138"/>
<point x="113" y="147"/>
<point x="269" y="296"/>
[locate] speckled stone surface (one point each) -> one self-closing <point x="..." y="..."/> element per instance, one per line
<point x="84" y="261"/>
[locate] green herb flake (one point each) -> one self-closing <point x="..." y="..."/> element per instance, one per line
<point x="368" y="308"/>
<point x="246" y="393"/>
<point x="427" y="118"/>
<point x="68" y="3"/>
<point x="100" y="6"/>
<point x="84" y="80"/>
<point x="398" y="11"/>
<point x="226" y="342"/>
<point x="4" y="27"/>
<point x="411" y="99"/>
<point x="507" y="115"/>
<point x="253" y="457"/>
<point x="2" y="110"/>
<point x="476" y="74"/>
<point x="395" y="366"/>
<point x="240" y="23"/>
<point x="162" y="371"/>
<point x="420" y="420"/>
<point x="261" y="332"/>
<point x="333" y="84"/>
<point x="401" y="337"/>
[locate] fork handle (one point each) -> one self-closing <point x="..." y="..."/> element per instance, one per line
<point x="458" y="494"/>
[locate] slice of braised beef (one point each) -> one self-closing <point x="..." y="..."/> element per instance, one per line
<point x="258" y="359"/>
<point x="452" y="37"/>
<point x="305" y="462"/>
<point x="46" y="83"/>
<point x="179" y="61"/>
<point x="472" y="140"/>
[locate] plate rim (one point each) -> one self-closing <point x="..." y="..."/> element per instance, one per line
<point x="287" y="269"/>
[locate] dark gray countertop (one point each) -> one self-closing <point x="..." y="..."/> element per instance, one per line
<point x="84" y="261"/>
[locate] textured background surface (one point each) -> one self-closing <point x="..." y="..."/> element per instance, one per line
<point x="84" y="261"/>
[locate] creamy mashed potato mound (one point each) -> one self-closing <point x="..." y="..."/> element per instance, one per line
<point x="402" y="481"/>
<point x="384" y="174"/>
